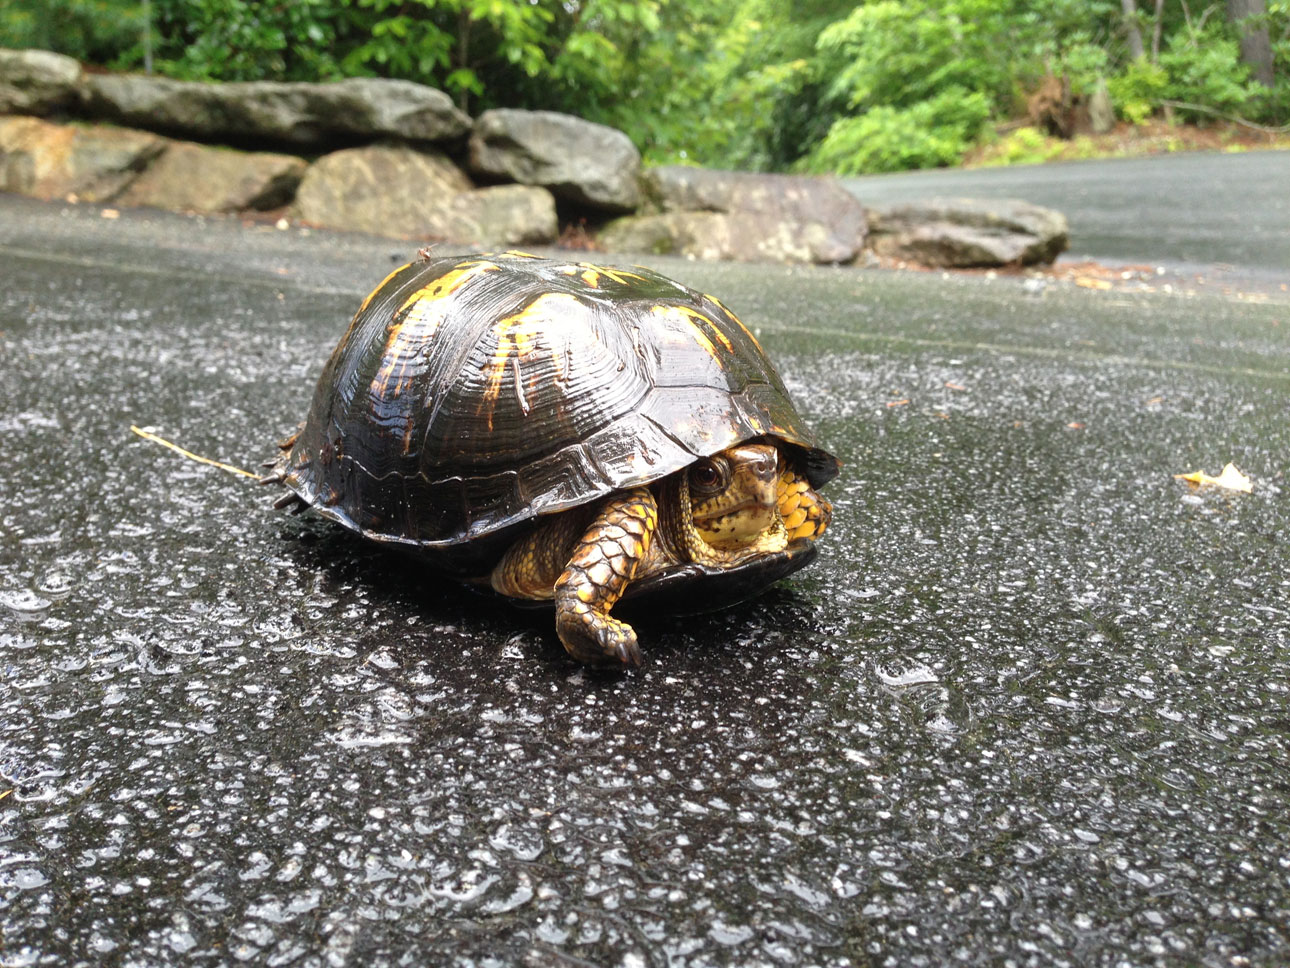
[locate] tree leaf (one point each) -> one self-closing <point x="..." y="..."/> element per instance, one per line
<point x="1231" y="478"/>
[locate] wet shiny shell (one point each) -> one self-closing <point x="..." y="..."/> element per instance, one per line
<point x="469" y="396"/>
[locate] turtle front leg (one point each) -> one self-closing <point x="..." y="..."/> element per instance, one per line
<point x="603" y="564"/>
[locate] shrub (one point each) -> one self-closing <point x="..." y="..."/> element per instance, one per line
<point x="1138" y="91"/>
<point x="928" y="134"/>
<point x="1204" y="67"/>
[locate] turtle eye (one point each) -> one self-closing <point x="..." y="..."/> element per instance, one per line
<point x="706" y="475"/>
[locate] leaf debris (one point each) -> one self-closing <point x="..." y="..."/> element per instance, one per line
<point x="1230" y="478"/>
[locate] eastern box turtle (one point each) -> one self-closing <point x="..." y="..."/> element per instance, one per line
<point x="563" y="432"/>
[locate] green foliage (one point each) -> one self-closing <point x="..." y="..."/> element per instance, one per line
<point x="842" y="85"/>
<point x="246" y="40"/>
<point x="895" y="54"/>
<point x="456" y="43"/>
<point x="1138" y="90"/>
<point x="930" y="133"/>
<point x="1030" y="146"/>
<point x="1204" y="67"/>
<point x="90" y="30"/>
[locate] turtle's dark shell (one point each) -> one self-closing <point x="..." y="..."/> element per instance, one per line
<point x="470" y="395"/>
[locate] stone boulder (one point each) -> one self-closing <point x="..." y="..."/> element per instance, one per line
<point x="382" y="189"/>
<point x="737" y="236"/>
<point x="37" y="81"/>
<point x="501" y="215"/>
<point x="588" y="164"/>
<point x="277" y="112"/>
<point x="706" y="214"/>
<point x="967" y="233"/>
<point x="96" y="163"/>
<point x="194" y="178"/>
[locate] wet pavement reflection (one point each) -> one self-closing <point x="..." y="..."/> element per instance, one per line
<point x="1028" y="707"/>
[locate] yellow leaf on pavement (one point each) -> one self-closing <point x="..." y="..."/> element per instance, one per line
<point x="1231" y="478"/>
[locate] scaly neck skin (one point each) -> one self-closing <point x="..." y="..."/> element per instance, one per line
<point x="676" y="528"/>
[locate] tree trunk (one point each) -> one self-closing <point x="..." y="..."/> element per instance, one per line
<point x="1130" y="8"/>
<point x="463" y="55"/>
<point x="1256" y="46"/>
<point x="1156" y="29"/>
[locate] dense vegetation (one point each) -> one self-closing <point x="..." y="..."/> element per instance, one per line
<point x="816" y="85"/>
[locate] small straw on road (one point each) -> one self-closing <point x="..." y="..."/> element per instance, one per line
<point x="148" y="435"/>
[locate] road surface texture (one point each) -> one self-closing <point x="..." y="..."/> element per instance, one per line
<point x="1220" y="214"/>
<point x="1030" y="707"/>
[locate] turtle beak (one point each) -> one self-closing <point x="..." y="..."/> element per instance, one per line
<point x="758" y="465"/>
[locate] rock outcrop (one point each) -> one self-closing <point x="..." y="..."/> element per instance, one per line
<point x="37" y="82"/>
<point x="705" y="214"/>
<point x="499" y="215"/>
<point x="277" y="113"/>
<point x="388" y="163"/>
<point x="188" y="177"/>
<point x="383" y="189"/>
<point x="578" y="161"/>
<point x="55" y="161"/>
<point x="966" y="233"/>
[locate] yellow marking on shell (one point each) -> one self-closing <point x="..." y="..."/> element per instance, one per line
<point x="519" y="254"/>
<point x="737" y="321"/>
<point x="699" y="319"/>
<point x="418" y="318"/>
<point x="381" y="286"/>
<point x="517" y="336"/>
<point x="591" y="277"/>
<point x="619" y="276"/>
<point x="688" y="317"/>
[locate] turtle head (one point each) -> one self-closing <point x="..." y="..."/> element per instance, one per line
<point x="749" y="494"/>
<point x="733" y="495"/>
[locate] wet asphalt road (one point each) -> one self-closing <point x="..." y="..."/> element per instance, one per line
<point x="1224" y="215"/>
<point x="1030" y="707"/>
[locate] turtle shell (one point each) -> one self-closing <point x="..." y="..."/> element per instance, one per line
<point x="471" y="395"/>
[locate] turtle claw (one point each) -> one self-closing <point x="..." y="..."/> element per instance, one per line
<point x="628" y="651"/>
<point x="599" y="640"/>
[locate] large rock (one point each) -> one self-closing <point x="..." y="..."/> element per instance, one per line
<point x="588" y="164"/>
<point x="194" y="178"/>
<point x="280" y="113"/>
<point x="706" y="214"/>
<point x="95" y="163"/>
<point x="383" y="189"/>
<point x="966" y="233"/>
<point x="738" y="236"/>
<point x="500" y="215"/>
<point x="37" y="81"/>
